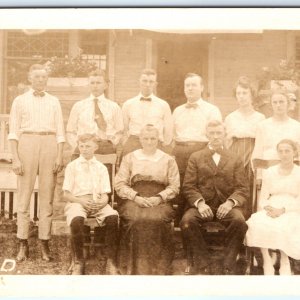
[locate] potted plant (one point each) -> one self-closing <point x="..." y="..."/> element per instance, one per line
<point x="285" y="77"/>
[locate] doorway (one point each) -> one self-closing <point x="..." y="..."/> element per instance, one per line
<point x="175" y="58"/>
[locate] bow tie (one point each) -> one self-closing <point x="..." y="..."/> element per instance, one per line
<point x="145" y="99"/>
<point x="218" y="150"/>
<point x="191" y="105"/>
<point x="38" y="94"/>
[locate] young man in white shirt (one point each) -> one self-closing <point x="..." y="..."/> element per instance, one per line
<point x="36" y="135"/>
<point x="146" y="108"/>
<point x="85" y="187"/>
<point x="96" y="115"/>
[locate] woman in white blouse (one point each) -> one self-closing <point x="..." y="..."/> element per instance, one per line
<point x="241" y="124"/>
<point x="274" y="129"/>
<point x="147" y="182"/>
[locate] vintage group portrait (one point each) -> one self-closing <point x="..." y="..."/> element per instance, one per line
<point x="165" y="150"/>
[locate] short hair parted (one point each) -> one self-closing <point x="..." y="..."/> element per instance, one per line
<point x="149" y="128"/>
<point x="215" y="123"/>
<point x="100" y="73"/>
<point x="245" y="83"/>
<point x="37" y="67"/>
<point x="149" y="72"/>
<point x="288" y="142"/>
<point x="83" y="138"/>
<point x="190" y="75"/>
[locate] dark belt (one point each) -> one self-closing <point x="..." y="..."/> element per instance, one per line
<point x="39" y="133"/>
<point x="191" y="143"/>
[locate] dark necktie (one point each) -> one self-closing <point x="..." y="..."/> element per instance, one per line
<point x="99" y="118"/>
<point x="191" y="105"/>
<point x="145" y="99"/>
<point x="38" y="94"/>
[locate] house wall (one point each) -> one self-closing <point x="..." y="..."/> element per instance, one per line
<point x="236" y="55"/>
<point x="130" y="58"/>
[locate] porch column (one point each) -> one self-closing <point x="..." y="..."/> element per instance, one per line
<point x="149" y="54"/>
<point x="111" y="64"/>
<point x="211" y="70"/>
<point x="73" y="43"/>
<point x="3" y="104"/>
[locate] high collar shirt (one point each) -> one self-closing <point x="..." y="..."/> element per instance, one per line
<point x="216" y="156"/>
<point x="82" y="120"/>
<point x="36" y="114"/>
<point x="190" y="123"/>
<point x="137" y="114"/>
<point x="86" y="177"/>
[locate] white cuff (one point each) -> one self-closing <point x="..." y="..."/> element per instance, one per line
<point x="198" y="201"/>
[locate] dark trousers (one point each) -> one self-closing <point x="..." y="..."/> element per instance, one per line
<point x="235" y="230"/>
<point x="110" y="232"/>
<point x="182" y="153"/>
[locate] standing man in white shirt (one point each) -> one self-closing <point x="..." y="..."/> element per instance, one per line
<point x="96" y="115"/>
<point x="36" y="135"/>
<point x="190" y="120"/>
<point x="145" y="109"/>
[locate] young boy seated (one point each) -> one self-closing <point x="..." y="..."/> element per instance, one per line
<point x="85" y="187"/>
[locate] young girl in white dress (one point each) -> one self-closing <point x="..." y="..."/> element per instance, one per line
<point x="276" y="225"/>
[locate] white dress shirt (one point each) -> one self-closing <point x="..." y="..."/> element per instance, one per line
<point x="82" y="120"/>
<point x="36" y="114"/>
<point x="86" y="177"/>
<point x="137" y="114"/>
<point x="190" y="123"/>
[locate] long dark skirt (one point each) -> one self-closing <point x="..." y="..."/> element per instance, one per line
<point x="146" y="245"/>
<point x="243" y="147"/>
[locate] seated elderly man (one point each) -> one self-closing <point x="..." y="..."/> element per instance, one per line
<point x="216" y="189"/>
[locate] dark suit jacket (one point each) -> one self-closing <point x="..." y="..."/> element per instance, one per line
<point x="215" y="184"/>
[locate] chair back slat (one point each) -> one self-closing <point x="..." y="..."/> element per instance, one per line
<point x="110" y="159"/>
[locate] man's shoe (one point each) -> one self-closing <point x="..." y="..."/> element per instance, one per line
<point x="23" y="251"/>
<point x="111" y="268"/>
<point x="78" y="268"/>
<point x="45" y="251"/>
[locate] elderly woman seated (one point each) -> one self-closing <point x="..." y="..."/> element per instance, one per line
<point x="147" y="181"/>
<point x="277" y="223"/>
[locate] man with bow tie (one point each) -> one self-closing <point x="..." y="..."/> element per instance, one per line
<point x="216" y="189"/>
<point x="146" y="108"/>
<point x="190" y="120"/>
<point x="96" y="115"/>
<point x="36" y="135"/>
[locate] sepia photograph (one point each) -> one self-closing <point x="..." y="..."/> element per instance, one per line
<point x="155" y="142"/>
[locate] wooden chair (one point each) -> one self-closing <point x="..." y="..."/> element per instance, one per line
<point x="91" y="223"/>
<point x="258" y="166"/>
